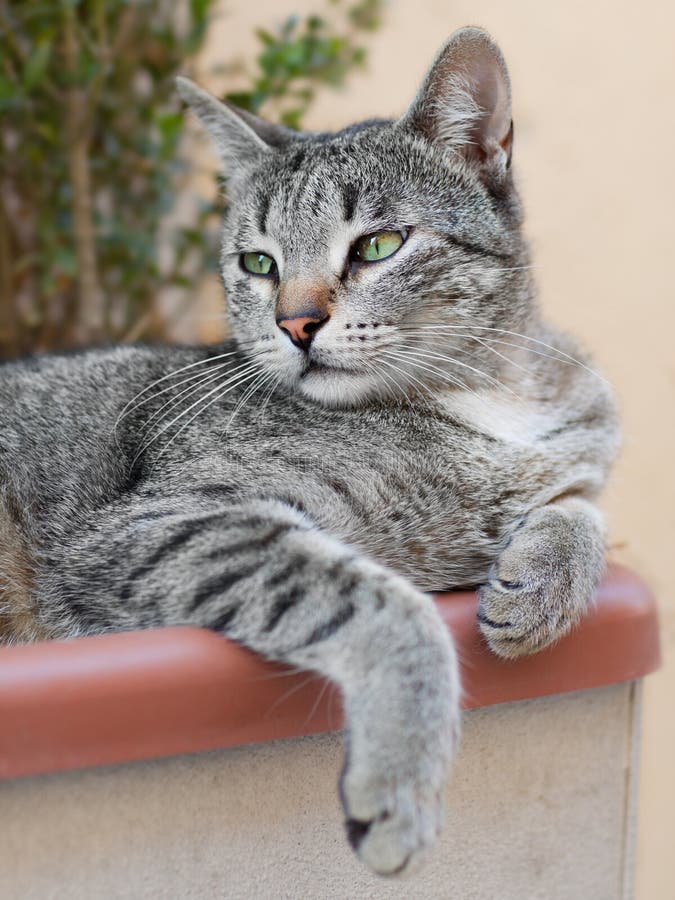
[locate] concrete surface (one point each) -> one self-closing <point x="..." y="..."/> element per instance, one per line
<point x="540" y="808"/>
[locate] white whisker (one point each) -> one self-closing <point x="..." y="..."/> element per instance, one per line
<point x="268" y="396"/>
<point x="407" y="376"/>
<point x="238" y="378"/>
<point x="389" y="381"/>
<point x="424" y="339"/>
<point x="414" y="380"/>
<point x="199" y="362"/>
<point x="199" y="412"/>
<point x="437" y="371"/>
<point x="265" y="378"/>
<point x="516" y="334"/>
<point x="203" y="379"/>
<point x="438" y="356"/>
<point x="310" y="715"/>
<point x="512" y="362"/>
<point x="292" y="690"/>
<point x="391" y="389"/>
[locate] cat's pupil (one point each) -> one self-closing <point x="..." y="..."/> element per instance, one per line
<point x="258" y="263"/>
<point x="380" y="245"/>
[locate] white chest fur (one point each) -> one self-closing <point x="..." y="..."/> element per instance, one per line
<point x="499" y="414"/>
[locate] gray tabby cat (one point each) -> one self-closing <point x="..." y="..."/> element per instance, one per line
<point x="392" y="417"/>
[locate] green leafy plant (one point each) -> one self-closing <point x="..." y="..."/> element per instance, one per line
<point x="302" y="54"/>
<point x="89" y="154"/>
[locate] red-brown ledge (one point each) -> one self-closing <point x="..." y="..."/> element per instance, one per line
<point x="138" y="695"/>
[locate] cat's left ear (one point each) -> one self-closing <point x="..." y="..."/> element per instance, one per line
<point x="240" y="137"/>
<point x="465" y="102"/>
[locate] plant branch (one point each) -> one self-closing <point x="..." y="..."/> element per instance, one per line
<point x="8" y="318"/>
<point x="91" y="318"/>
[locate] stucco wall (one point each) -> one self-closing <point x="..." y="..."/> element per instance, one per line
<point x="595" y="124"/>
<point x="538" y="809"/>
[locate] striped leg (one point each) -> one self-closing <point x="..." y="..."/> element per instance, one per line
<point x="263" y="574"/>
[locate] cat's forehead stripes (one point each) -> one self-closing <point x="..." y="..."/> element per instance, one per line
<point x="302" y="208"/>
<point x="317" y="211"/>
<point x="350" y="195"/>
<point x="263" y="209"/>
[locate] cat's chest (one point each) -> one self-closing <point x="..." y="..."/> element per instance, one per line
<point x="439" y="507"/>
<point x="506" y="418"/>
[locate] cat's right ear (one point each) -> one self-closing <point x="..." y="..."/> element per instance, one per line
<point x="240" y="137"/>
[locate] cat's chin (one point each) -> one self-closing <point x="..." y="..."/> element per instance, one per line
<point x="336" y="387"/>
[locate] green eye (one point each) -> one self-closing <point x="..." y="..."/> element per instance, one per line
<point x="374" y="247"/>
<point x="258" y="263"/>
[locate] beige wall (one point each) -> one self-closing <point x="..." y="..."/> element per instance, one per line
<point x="595" y="131"/>
<point x="264" y="822"/>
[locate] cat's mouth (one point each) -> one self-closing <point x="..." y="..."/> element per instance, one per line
<point x="314" y="367"/>
<point x="334" y="385"/>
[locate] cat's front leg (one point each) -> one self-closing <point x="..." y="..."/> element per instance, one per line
<point x="323" y="607"/>
<point x="262" y="573"/>
<point x="542" y="582"/>
<point x="399" y="677"/>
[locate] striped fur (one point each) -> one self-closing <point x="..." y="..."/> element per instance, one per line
<point x="436" y="434"/>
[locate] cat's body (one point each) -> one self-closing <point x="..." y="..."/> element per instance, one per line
<point x="412" y="418"/>
<point x="434" y="490"/>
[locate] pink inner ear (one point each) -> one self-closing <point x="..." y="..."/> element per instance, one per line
<point x="483" y="71"/>
<point x="465" y="101"/>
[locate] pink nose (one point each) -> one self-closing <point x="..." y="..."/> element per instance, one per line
<point x="301" y="329"/>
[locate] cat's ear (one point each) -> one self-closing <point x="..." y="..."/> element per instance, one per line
<point x="240" y="137"/>
<point x="465" y="101"/>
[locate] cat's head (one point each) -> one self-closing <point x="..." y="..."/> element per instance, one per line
<point x="377" y="261"/>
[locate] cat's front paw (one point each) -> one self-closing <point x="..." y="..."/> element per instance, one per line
<point x="542" y="582"/>
<point x="391" y="820"/>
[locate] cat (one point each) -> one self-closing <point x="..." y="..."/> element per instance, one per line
<point x="391" y="417"/>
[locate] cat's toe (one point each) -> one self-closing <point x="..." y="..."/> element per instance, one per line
<point x="391" y="832"/>
<point x="517" y="620"/>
